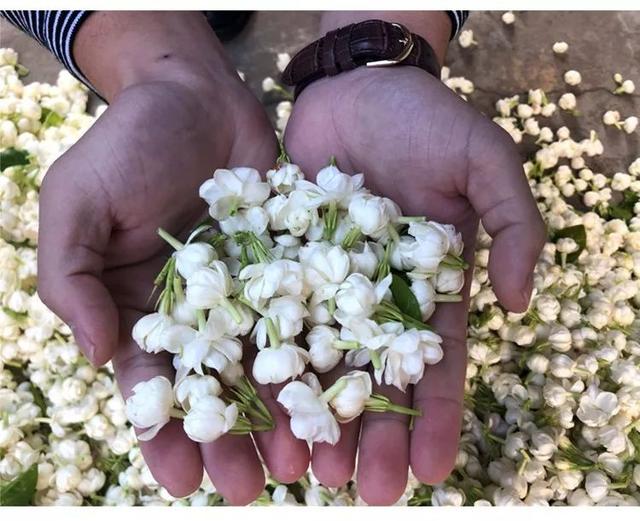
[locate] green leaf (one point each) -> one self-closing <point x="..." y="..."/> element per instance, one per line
<point x="49" y="118"/>
<point x="13" y="157"/>
<point x="20" y="491"/>
<point x="578" y="234"/>
<point x="15" y="315"/>
<point x="38" y="399"/>
<point x="624" y="209"/>
<point x="404" y="298"/>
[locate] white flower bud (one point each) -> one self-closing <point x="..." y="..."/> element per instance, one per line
<point x="597" y="485"/>
<point x="358" y="296"/>
<point x="322" y="353"/>
<point x="611" y="117"/>
<point x="567" y="101"/>
<point x="209" y="418"/>
<point x="560" y="47"/>
<point x="572" y="77"/>
<point x="311" y="418"/>
<point x="363" y="259"/>
<point x="425" y="295"/>
<point x="350" y="401"/>
<point x="449" y="280"/>
<point x="67" y="478"/>
<point x="283" y="179"/>
<point x="193" y="257"/>
<point x="465" y="39"/>
<point x="630" y="124"/>
<point x="150" y="332"/>
<point x="209" y="286"/>
<point x="150" y="405"/>
<point x="278" y="364"/>
<point x="508" y="18"/>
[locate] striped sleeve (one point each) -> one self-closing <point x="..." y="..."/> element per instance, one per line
<point x="56" y="30"/>
<point x="458" y="18"/>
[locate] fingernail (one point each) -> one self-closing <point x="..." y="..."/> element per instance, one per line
<point x="86" y="346"/>
<point x="528" y="288"/>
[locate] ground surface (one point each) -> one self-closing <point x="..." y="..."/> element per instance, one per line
<point x="508" y="60"/>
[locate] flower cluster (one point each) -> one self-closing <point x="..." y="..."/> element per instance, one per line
<point x="286" y="260"/>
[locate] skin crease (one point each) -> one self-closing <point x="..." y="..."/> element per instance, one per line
<point x="170" y="123"/>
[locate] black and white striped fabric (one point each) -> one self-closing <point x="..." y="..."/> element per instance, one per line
<point x="458" y="18"/>
<point x="57" y="29"/>
<point x="53" y="29"/>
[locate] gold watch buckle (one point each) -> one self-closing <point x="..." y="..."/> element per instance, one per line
<point x="406" y="40"/>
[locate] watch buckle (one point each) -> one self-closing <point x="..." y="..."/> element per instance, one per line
<point x="406" y="40"/>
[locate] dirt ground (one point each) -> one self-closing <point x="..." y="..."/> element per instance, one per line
<point x="508" y="60"/>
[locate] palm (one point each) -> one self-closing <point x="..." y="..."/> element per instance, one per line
<point x="141" y="165"/>
<point x="419" y="144"/>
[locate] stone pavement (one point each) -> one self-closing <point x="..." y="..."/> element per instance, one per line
<point x="508" y="60"/>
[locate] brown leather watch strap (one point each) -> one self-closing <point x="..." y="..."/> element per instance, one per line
<point x="372" y="43"/>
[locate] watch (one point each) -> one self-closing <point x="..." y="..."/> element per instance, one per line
<point x="372" y="43"/>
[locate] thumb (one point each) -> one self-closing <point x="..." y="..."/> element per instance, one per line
<point x="499" y="192"/>
<point x="74" y="231"/>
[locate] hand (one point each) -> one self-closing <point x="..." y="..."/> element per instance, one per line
<point x="139" y="167"/>
<point x="424" y="147"/>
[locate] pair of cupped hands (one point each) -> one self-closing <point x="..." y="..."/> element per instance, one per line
<point x="139" y="167"/>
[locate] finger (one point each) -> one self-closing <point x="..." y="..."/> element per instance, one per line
<point x="439" y="394"/>
<point x="234" y="468"/>
<point x="333" y="465"/>
<point x="383" y="460"/>
<point x="174" y="459"/>
<point x="499" y="192"/>
<point x="74" y="230"/>
<point x="286" y="457"/>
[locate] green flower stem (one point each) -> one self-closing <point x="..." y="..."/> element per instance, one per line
<point x="217" y="239"/>
<point x="231" y="309"/>
<point x="272" y="333"/>
<point x="244" y="257"/>
<point x="406" y="219"/>
<point x="283" y="157"/>
<point x="199" y="230"/>
<point x="330" y="218"/>
<point x="445" y="297"/>
<point x="375" y="359"/>
<point x="455" y="262"/>
<point x="161" y="277"/>
<point x="170" y="239"/>
<point x="244" y="426"/>
<point x="380" y="403"/>
<point x="346" y="345"/>
<point x="177" y="413"/>
<point x="383" y="268"/>
<point x="352" y="236"/>
<point x="202" y="319"/>
<point x="393" y="233"/>
<point x="283" y="92"/>
<point x="245" y="385"/>
<point x="178" y="289"/>
<point x="331" y="306"/>
<point x="243" y="300"/>
<point x="334" y="390"/>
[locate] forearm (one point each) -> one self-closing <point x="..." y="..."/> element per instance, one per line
<point x="433" y="26"/>
<point x="115" y="50"/>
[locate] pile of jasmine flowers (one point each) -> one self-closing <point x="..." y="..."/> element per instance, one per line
<point x="311" y="274"/>
<point x="552" y="406"/>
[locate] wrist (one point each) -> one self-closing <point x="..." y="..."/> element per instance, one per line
<point x="433" y="26"/>
<point x="117" y="50"/>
